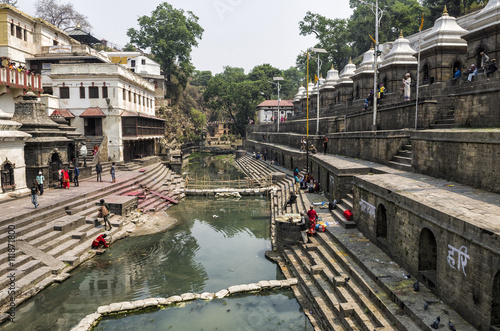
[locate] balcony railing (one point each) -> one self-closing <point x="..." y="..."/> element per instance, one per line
<point x="14" y="78"/>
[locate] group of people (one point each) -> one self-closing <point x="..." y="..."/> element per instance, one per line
<point x="5" y="63"/>
<point x="369" y="98"/>
<point x="311" y="147"/>
<point x="305" y="182"/>
<point x="308" y="224"/>
<point x="486" y="66"/>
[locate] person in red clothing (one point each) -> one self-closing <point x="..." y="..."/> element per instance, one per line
<point x="100" y="242"/>
<point x="312" y="218"/>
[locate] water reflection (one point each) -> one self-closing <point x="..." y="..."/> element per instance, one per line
<point x="212" y="167"/>
<point x="203" y="253"/>
<point x="271" y="311"/>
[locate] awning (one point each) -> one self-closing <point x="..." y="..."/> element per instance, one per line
<point x="127" y="113"/>
<point x="93" y="112"/>
<point x="64" y="113"/>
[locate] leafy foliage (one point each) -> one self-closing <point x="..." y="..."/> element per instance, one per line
<point x="61" y="15"/>
<point x="234" y="96"/>
<point x="170" y="34"/>
<point x="13" y="3"/>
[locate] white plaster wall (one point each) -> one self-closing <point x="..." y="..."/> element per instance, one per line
<point x="50" y="101"/>
<point x="7" y="103"/>
<point x="14" y="152"/>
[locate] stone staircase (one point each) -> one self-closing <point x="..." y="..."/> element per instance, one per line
<point x="403" y="159"/>
<point x="51" y="238"/>
<point x="447" y="122"/>
<point x="338" y="212"/>
<point x="345" y="281"/>
<point x="90" y="142"/>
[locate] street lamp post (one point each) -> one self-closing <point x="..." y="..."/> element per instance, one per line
<point x="278" y="79"/>
<point x="318" y="51"/>
<point x="375" y="9"/>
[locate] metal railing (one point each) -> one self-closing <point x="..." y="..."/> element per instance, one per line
<point x="206" y="183"/>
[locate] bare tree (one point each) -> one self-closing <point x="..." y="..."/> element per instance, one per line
<point x="61" y="15"/>
<point x="13" y="3"/>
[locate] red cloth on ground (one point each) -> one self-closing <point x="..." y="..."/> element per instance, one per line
<point x="98" y="241"/>
<point x="348" y="214"/>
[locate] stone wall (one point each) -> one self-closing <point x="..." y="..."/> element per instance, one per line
<point x="467" y="157"/>
<point x="416" y="234"/>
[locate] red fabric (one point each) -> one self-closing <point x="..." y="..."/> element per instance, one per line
<point x="312" y="218"/>
<point x="348" y="214"/>
<point x="65" y="178"/>
<point x="98" y="241"/>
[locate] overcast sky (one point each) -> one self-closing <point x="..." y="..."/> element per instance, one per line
<point x="238" y="33"/>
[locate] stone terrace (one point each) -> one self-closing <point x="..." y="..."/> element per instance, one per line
<point x="345" y="281"/>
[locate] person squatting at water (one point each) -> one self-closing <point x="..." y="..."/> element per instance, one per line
<point x="291" y="200"/>
<point x="100" y="242"/>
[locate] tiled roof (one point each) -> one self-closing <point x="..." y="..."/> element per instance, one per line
<point x="93" y="112"/>
<point x="64" y="113"/>
<point x="274" y="103"/>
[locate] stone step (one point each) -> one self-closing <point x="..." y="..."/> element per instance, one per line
<point x="62" y="240"/>
<point x="22" y="231"/>
<point x="26" y="281"/>
<point x="311" y="291"/>
<point x="408" y="147"/>
<point x="402" y="159"/>
<point x="405" y="153"/>
<point x="442" y="126"/>
<point x="401" y="166"/>
<point x="18" y="262"/>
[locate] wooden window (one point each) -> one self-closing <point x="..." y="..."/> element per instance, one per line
<point x="104" y="92"/>
<point x="135" y="98"/>
<point x="124" y="95"/>
<point x="93" y="92"/>
<point x="25" y="33"/>
<point x="82" y="92"/>
<point x="19" y="32"/>
<point x="132" y="63"/>
<point x="64" y="92"/>
<point x="12" y="29"/>
<point x="143" y="61"/>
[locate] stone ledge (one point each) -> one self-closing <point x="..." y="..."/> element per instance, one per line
<point x="91" y="320"/>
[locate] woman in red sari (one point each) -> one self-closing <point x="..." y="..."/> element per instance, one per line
<point x="312" y="219"/>
<point x="65" y="178"/>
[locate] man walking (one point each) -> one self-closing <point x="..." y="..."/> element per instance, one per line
<point x="39" y="182"/>
<point x="77" y="173"/>
<point x="34" y="196"/>
<point x="112" y="171"/>
<point x="104" y="213"/>
<point x="98" y="170"/>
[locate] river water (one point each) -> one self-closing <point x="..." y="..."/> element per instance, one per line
<point x="216" y="244"/>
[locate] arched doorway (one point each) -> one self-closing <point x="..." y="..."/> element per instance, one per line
<point x="381" y="222"/>
<point x="55" y="164"/>
<point x="427" y="256"/>
<point x="495" y="304"/>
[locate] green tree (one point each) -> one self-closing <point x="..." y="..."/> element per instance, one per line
<point x="262" y="75"/>
<point x="332" y="36"/>
<point x="13" y="3"/>
<point x="234" y="96"/>
<point x="170" y="34"/>
<point x="129" y="48"/>
<point x="201" y="78"/>
<point x="289" y="87"/>
<point x="398" y="15"/>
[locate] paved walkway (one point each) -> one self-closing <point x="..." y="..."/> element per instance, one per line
<point x="23" y="206"/>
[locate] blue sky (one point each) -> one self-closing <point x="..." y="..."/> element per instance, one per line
<point x="238" y="33"/>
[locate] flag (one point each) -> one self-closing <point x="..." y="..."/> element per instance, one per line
<point x="421" y="23"/>
<point x="315" y="78"/>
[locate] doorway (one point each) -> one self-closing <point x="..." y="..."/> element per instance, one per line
<point x="93" y="126"/>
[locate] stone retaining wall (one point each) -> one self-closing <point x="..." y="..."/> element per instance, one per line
<point x="89" y="321"/>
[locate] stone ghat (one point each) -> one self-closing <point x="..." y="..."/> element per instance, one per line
<point x="224" y="192"/>
<point x="89" y="321"/>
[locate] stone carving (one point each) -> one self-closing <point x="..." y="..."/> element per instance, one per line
<point x="461" y="260"/>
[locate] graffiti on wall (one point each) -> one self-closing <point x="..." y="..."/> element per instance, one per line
<point x="367" y="208"/>
<point x="457" y="258"/>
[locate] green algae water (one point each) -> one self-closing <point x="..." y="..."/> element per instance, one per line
<point x="216" y="244"/>
<point x="203" y="165"/>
